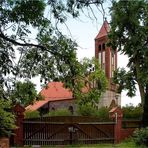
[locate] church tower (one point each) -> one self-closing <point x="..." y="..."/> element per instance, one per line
<point x="107" y="59"/>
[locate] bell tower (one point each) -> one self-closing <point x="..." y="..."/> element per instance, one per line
<point x="107" y="58"/>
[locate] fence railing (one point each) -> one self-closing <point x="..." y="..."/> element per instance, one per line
<point x="67" y="130"/>
<point x="132" y="123"/>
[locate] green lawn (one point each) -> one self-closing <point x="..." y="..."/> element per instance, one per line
<point x="126" y="144"/>
<point x="121" y="145"/>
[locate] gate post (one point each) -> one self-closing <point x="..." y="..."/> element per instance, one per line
<point x="116" y="114"/>
<point x="19" y="112"/>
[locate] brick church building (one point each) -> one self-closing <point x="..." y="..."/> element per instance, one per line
<point x="107" y="58"/>
<point x="56" y="96"/>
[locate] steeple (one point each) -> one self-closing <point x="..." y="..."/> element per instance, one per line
<point x="107" y="58"/>
<point x="104" y="30"/>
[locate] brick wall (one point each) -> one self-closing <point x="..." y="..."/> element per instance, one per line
<point x="126" y="133"/>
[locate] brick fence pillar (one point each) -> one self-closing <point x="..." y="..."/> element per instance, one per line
<point x="18" y="137"/>
<point x="116" y="114"/>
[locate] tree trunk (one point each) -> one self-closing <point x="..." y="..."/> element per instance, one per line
<point x="141" y="90"/>
<point x="140" y="84"/>
<point x="145" y="109"/>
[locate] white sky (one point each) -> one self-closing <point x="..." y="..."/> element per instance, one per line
<point x="84" y="31"/>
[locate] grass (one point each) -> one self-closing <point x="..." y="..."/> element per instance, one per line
<point x="121" y="145"/>
<point x="125" y="144"/>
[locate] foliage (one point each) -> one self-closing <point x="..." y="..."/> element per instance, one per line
<point x="7" y="119"/>
<point x="32" y="114"/>
<point x="59" y="112"/>
<point x="28" y="31"/>
<point x="141" y="136"/>
<point x="24" y="93"/>
<point x="90" y="83"/>
<point x="31" y="44"/>
<point x="103" y="113"/>
<point x="129" y="34"/>
<point x="86" y="110"/>
<point x="125" y="81"/>
<point x="131" y="112"/>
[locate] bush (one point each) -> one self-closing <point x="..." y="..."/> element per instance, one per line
<point x="7" y="119"/>
<point x="141" y="136"/>
<point x="86" y="110"/>
<point x="131" y="112"/>
<point x="59" y="112"/>
<point x="32" y="114"/>
<point x="103" y="113"/>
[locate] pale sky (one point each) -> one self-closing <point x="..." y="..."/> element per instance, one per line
<point x="84" y="31"/>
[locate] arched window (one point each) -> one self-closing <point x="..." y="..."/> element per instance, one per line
<point x="71" y="109"/>
<point x="99" y="54"/>
<point x="99" y="47"/>
<point x="52" y="108"/>
<point x="103" y="46"/>
<point x="112" y="63"/>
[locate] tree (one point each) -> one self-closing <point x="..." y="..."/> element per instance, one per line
<point x="46" y="51"/>
<point x="90" y="83"/>
<point x="7" y="119"/>
<point x="129" y="34"/>
<point x="24" y="93"/>
<point x="125" y="81"/>
<point x="31" y="44"/>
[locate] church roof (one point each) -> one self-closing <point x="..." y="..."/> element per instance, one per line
<point x="36" y="105"/>
<point x="54" y="92"/>
<point x="104" y="30"/>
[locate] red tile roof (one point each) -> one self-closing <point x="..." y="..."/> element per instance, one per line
<point x="54" y="92"/>
<point x="104" y="30"/>
<point x="36" y="105"/>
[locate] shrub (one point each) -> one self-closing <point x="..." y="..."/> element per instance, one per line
<point x="103" y="113"/>
<point x="7" y="119"/>
<point x="59" y="112"/>
<point x="32" y="114"/>
<point x="141" y="136"/>
<point x="86" y="110"/>
<point x="131" y="112"/>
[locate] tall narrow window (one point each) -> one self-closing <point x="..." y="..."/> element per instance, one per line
<point x="103" y="60"/>
<point x="103" y="46"/>
<point x="112" y="63"/>
<point x="99" y="58"/>
<point x="99" y="55"/>
<point x="99" y="47"/>
<point x="71" y="109"/>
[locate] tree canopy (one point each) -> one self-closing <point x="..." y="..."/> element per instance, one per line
<point x="24" y="93"/>
<point x="91" y="83"/>
<point x="129" y="30"/>
<point x="31" y="43"/>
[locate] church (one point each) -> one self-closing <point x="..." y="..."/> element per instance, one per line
<point x="56" y="96"/>
<point x="107" y="58"/>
